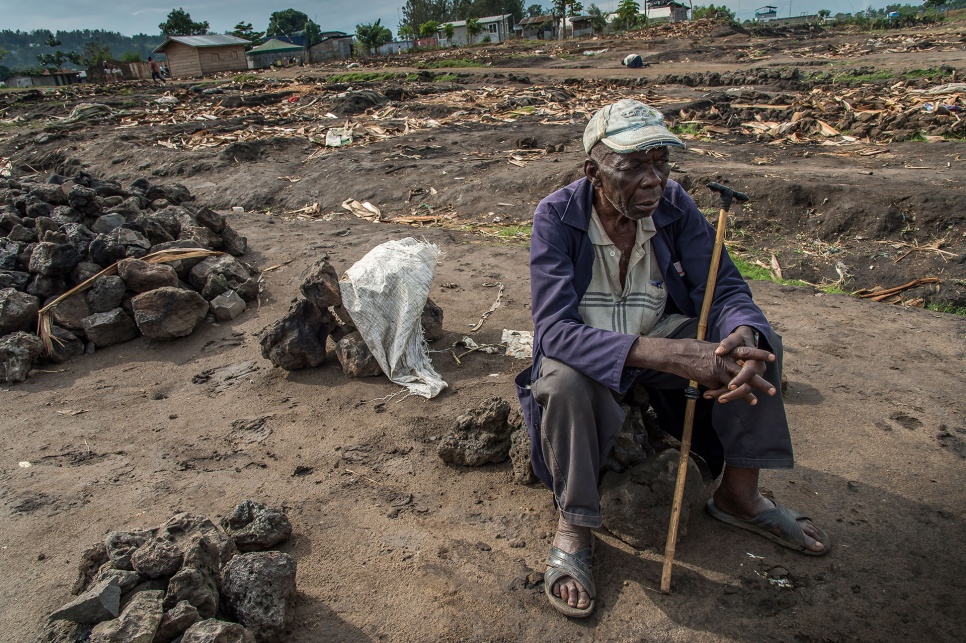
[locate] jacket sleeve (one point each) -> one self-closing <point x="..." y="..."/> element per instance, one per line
<point x="732" y="305"/>
<point x="559" y="330"/>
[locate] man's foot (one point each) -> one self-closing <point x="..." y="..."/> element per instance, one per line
<point x="768" y="518"/>
<point x="569" y="583"/>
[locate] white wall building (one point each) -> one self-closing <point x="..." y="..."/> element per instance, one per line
<point x="498" y="28"/>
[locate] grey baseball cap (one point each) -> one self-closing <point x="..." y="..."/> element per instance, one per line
<point x="629" y="126"/>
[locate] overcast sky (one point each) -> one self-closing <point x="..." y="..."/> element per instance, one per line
<point x="140" y="16"/>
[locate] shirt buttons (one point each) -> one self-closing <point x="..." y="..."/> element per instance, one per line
<point x="612" y="253"/>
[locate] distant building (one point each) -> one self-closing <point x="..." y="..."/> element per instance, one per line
<point x="669" y="10"/>
<point x="273" y="51"/>
<point x="335" y="45"/>
<point x="394" y="47"/>
<point x="497" y="28"/>
<point x="190" y="56"/>
<point x="538" y="28"/>
<point x="766" y="13"/>
<point x="580" y="26"/>
<point x="45" y="79"/>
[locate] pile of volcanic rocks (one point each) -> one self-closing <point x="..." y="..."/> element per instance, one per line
<point x="298" y="340"/>
<point x="188" y="580"/>
<point x="60" y="232"/>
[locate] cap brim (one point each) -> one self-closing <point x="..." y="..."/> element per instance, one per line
<point x="641" y="139"/>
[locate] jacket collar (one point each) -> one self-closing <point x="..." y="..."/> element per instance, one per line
<point x="577" y="205"/>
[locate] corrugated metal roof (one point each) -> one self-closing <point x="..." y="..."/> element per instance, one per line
<point x="274" y="45"/>
<point x="210" y="40"/>
<point x="483" y="21"/>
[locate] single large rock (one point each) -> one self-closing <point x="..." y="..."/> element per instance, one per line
<point x="196" y="587"/>
<point x="112" y="327"/>
<point x="355" y="357"/>
<point x="18" y="352"/>
<point x="104" y="251"/>
<point x="157" y="558"/>
<point x="214" y="631"/>
<point x="210" y="219"/>
<point x="15" y="279"/>
<point x="46" y="286"/>
<point x="298" y="339"/>
<point x="92" y="559"/>
<point x="70" y="312"/>
<point x="51" y="259"/>
<point x="66" y="346"/>
<point x="185" y="527"/>
<point x="108" y="222"/>
<point x="100" y="602"/>
<point x="141" y="276"/>
<point x="234" y="274"/>
<point x="168" y="313"/>
<point x="321" y="284"/>
<point x="632" y="446"/>
<point x="84" y="271"/>
<point x="106" y="293"/>
<point x="258" y="590"/>
<point x="227" y="306"/>
<point x="135" y="244"/>
<point x="636" y="505"/>
<point x="175" y="621"/>
<point x="254" y="526"/>
<point x="432" y="321"/>
<point x="201" y="236"/>
<point x="18" y="310"/>
<point x="121" y="544"/>
<point x="234" y="243"/>
<point x="480" y="437"/>
<point x="79" y="236"/>
<point x="138" y="623"/>
<point x="126" y="580"/>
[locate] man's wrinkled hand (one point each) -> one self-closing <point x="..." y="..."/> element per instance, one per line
<point x="739" y="346"/>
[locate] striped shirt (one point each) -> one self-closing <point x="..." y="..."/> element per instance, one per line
<point x="637" y="307"/>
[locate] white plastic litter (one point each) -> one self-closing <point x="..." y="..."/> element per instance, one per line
<point x="338" y="137"/>
<point x="167" y="99"/>
<point x="519" y="343"/>
<point x="384" y="293"/>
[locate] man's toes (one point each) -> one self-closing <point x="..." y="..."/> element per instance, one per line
<point x="811" y="537"/>
<point x="584" y="600"/>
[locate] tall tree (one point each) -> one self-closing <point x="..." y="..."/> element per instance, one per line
<point x="405" y="31"/>
<point x="473" y="29"/>
<point x="57" y="59"/>
<point x="313" y="33"/>
<point x="597" y="18"/>
<point x="179" y="23"/>
<point x="449" y="31"/>
<point x="628" y="13"/>
<point x="428" y="29"/>
<point x="94" y="53"/>
<point x="286" y="23"/>
<point x="534" y="10"/>
<point x="373" y="35"/>
<point x="563" y="9"/>
<point x="246" y="31"/>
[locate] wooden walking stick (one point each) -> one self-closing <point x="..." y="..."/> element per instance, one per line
<point x="691" y="392"/>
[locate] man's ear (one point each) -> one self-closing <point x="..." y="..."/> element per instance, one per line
<point x="592" y="172"/>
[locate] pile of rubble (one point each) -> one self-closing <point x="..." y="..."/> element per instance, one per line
<point x="86" y="263"/>
<point x="188" y="580"/>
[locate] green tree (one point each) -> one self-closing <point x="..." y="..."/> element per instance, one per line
<point x="563" y="9"/>
<point x="246" y="31"/>
<point x="373" y="35"/>
<point x="57" y="59"/>
<point x="534" y="10"/>
<point x="628" y="13"/>
<point x="94" y="53"/>
<point x="597" y="18"/>
<point x="711" y="11"/>
<point x="132" y="57"/>
<point x="937" y="4"/>
<point x="286" y="23"/>
<point x="473" y="29"/>
<point x="3" y="53"/>
<point x="405" y="31"/>
<point x="449" y="31"/>
<point x="428" y="29"/>
<point x="313" y="33"/>
<point x="179" y="23"/>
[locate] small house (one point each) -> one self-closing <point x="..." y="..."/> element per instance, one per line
<point x="273" y="52"/>
<point x="190" y="56"/>
<point x="495" y="29"/>
<point x="537" y="28"/>
<point x="666" y="10"/>
<point x="335" y="45"/>
<point x="46" y="78"/>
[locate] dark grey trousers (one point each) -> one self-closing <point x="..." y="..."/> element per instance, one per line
<point x="582" y="418"/>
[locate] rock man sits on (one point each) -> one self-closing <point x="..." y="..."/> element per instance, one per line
<point x="618" y="266"/>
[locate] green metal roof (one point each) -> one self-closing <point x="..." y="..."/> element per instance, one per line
<point x="274" y="46"/>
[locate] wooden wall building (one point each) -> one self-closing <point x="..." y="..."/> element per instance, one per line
<point x="190" y="56"/>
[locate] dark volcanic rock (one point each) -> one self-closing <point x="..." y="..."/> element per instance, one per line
<point x="121" y="544"/>
<point x="51" y="259"/>
<point x="258" y="590"/>
<point x="432" y="321"/>
<point x="106" y="293"/>
<point x="18" y="310"/>
<point x="175" y="621"/>
<point x="321" y="284"/>
<point x="234" y="243"/>
<point x="137" y="623"/>
<point x="520" y="457"/>
<point x="235" y="275"/>
<point x="480" y="437"/>
<point x="141" y="276"/>
<point x="168" y="313"/>
<point x="70" y="312"/>
<point x="100" y="602"/>
<point x="215" y="631"/>
<point x="157" y="558"/>
<point x="355" y="357"/>
<point x="112" y="327"/>
<point x="66" y="345"/>
<point x="18" y="352"/>
<point x="298" y="339"/>
<point x="254" y="526"/>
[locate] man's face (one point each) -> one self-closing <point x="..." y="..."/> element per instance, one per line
<point x="631" y="183"/>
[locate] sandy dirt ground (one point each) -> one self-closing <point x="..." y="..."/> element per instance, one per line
<point x="393" y="544"/>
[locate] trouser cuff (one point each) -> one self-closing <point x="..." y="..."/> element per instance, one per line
<point x="593" y="521"/>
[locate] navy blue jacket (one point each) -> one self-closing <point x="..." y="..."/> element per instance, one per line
<point x="561" y="264"/>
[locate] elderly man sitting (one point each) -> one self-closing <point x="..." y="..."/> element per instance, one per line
<point x="618" y="265"/>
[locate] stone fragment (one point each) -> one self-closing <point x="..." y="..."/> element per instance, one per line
<point x="198" y="588"/>
<point x="135" y="244"/>
<point x="126" y="580"/>
<point x="632" y="446"/>
<point x="61" y="631"/>
<point x="175" y="621"/>
<point x="479" y="437"/>
<point x="234" y="243"/>
<point x="154" y="230"/>
<point x="298" y="339"/>
<point x="210" y="219"/>
<point x="235" y="273"/>
<point x="121" y="544"/>
<point x="100" y="602"/>
<point x="22" y="234"/>
<point x="9" y="251"/>
<point x="138" y="623"/>
<point x="520" y="457"/>
<point x="51" y="259"/>
<point x="637" y="503"/>
<point x="157" y="558"/>
<point x="104" y="251"/>
<point x="79" y="236"/>
<point x="183" y="527"/>
<point x="14" y="279"/>
<point x="44" y="287"/>
<point x="168" y="313"/>
<point x="141" y="276"/>
<point x="107" y="222"/>
<point x="258" y="590"/>
<point x="18" y="310"/>
<point x="70" y="312"/>
<point x="202" y="236"/>
<point x="112" y="327"/>
<point x="18" y="352"/>
<point x="254" y="526"/>
<point x="66" y="345"/>
<point x="92" y="559"/>
<point x="432" y="321"/>
<point x="214" y="631"/>
<point x="227" y="306"/>
<point x="321" y="284"/>
<point x="66" y="214"/>
<point x="106" y="293"/>
<point x="355" y="357"/>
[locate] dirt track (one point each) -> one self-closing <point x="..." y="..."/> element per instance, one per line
<point x="875" y="397"/>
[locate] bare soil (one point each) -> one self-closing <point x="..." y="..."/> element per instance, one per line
<point x="127" y="436"/>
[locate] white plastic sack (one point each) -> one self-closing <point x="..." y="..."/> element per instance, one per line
<point x="384" y="293"/>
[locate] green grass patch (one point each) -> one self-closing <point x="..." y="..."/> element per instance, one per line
<point x="450" y="63"/>
<point x="945" y="307"/>
<point x="687" y="129"/>
<point x="516" y="231"/>
<point x="244" y="78"/>
<point x="753" y="271"/>
<point x="364" y="77"/>
<point x="446" y="78"/>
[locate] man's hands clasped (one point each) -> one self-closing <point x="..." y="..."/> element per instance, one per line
<point x="732" y="370"/>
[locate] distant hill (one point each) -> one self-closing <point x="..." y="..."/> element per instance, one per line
<point x="23" y="47"/>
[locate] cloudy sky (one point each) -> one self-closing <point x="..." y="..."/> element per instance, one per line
<point x="332" y="15"/>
